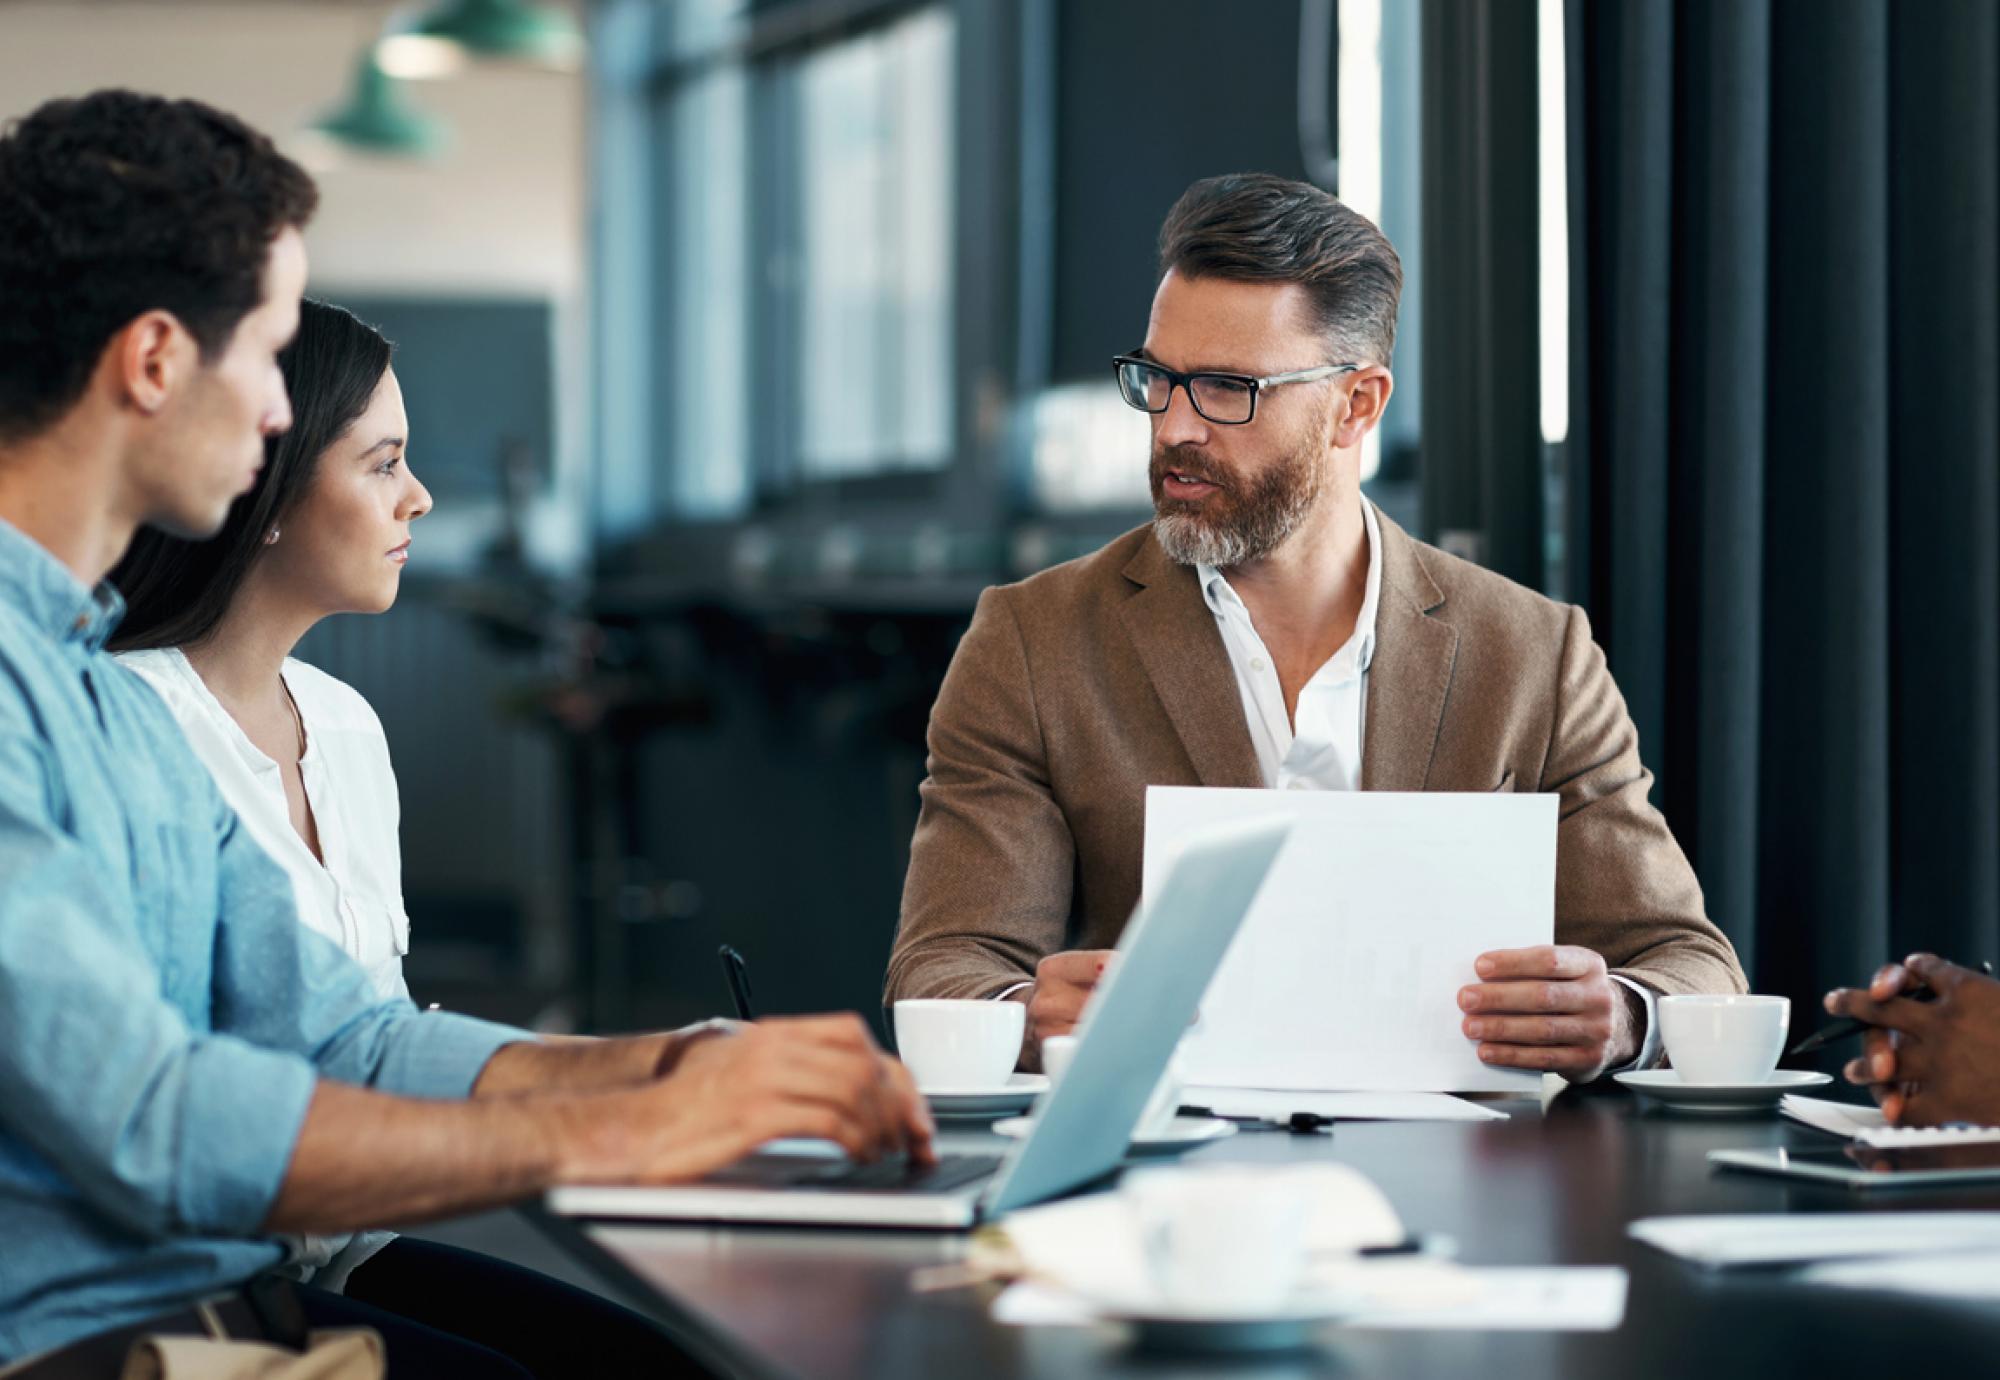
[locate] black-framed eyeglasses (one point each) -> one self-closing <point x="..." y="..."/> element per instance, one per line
<point x="1225" y="399"/>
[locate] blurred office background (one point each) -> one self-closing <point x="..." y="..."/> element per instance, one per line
<point x="747" y="341"/>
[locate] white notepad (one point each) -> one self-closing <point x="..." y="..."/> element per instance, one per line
<point x="1867" y="1125"/>
<point x="1836" y="1118"/>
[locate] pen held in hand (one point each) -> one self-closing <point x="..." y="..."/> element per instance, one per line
<point x="737" y="974"/>
<point x="1849" y="1026"/>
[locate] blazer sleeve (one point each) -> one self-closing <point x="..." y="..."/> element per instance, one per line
<point x="1623" y="886"/>
<point x="992" y="864"/>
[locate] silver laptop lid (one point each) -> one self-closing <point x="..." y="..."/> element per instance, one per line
<point x="1168" y="953"/>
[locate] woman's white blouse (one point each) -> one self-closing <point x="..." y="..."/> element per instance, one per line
<point x="356" y="897"/>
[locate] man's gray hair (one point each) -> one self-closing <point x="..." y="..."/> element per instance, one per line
<point x="1258" y="228"/>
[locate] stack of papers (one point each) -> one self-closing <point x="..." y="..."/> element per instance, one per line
<point x="1966" y="1275"/>
<point x="1409" y="1295"/>
<point x="1767" y="1239"/>
<point x="1274" y="1105"/>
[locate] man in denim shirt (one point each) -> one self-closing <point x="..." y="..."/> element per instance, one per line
<point x="185" y="1070"/>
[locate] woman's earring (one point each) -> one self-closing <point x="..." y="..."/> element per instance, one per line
<point x="271" y="537"/>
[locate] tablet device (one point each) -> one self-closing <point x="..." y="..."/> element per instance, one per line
<point x="1864" y="1167"/>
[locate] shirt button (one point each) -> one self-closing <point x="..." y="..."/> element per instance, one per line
<point x="1299" y="784"/>
<point x="1257" y="663"/>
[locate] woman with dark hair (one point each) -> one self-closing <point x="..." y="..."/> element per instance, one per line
<point x="211" y="625"/>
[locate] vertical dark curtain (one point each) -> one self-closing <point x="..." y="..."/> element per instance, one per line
<point x="1785" y="478"/>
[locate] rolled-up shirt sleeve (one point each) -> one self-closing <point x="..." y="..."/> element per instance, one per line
<point x="164" y="1128"/>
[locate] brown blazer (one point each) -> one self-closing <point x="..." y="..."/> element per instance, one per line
<point x="1074" y="690"/>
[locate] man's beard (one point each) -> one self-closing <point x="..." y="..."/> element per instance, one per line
<point x="1232" y="525"/>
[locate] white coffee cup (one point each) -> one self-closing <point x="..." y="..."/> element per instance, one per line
<point x="959" y="1046"/>
<point x="1162" y="1106"/>
<point x="1724" y="1039"/>
<point x="1057" y="1051"/>
<point x="1224" y="1242"/>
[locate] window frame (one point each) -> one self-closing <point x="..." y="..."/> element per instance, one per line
<point x="768" y="45"/>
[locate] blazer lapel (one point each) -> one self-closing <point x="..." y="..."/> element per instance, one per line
<point x="1176" y="637"/>
<point x="1410" y="674"/>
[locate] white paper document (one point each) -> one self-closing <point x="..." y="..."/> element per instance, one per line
<point x="1540" y="1299"/>
<point x="1728" y="1241"/>
<point x="1345" y="975"/>
<point x="1969" y="1275"/>
<point x="1275" y="1105"/>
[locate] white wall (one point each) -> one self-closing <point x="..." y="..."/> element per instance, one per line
<point x="500" y="211"/>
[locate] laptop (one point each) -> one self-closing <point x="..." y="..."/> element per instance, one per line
<point x="1080" y="1131"/>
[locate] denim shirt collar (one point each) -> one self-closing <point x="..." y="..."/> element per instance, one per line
<point x="51" y="598"/>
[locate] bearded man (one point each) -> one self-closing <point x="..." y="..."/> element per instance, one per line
<point x="1272" y="628"/>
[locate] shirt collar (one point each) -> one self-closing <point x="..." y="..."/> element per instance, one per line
<point x="51" y="598"/>
<point x="1222" y="599"/>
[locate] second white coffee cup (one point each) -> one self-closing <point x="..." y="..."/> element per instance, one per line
<point x="959" y="1046"/>
<point x="1719" y="1039"/>
<point x="1161" y="1107"/>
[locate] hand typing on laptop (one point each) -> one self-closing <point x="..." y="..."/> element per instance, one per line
<point x="1927" y="1062"/>
<point x="820" y="1077"/>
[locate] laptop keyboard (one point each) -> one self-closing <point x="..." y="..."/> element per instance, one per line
<point x="895" y="1175"/>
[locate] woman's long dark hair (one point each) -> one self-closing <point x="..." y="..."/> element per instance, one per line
<point x="177" y="591"/>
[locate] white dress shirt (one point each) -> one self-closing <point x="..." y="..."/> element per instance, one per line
<point x="355" y="897"/>
<point x="1322" y="751"/>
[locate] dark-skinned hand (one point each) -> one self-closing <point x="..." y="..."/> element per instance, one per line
<point x="1933" y="1062"/>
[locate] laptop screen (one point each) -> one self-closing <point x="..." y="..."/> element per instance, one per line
<point x="1136" y="1017"/>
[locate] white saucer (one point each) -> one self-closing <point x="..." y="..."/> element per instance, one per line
<point x="1182" y="1133"/>
<point x="1162" y="1327"/>
<point x="1665" y="1087"/>
<point x="1017" y="1094"/>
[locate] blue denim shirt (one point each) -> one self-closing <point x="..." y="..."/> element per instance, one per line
<point x="163" y="1014"/>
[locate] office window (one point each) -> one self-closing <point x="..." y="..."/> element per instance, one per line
<point x="702" y="401"/>
<point x="1353" y="60"/>
<point x="1088" y="449"/>
<point x="801" y="248"/>
<point x="1553" y="169"/>
<point x="874" y="351"/>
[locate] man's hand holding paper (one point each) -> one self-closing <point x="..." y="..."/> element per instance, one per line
<point x="1551" y="1007"/>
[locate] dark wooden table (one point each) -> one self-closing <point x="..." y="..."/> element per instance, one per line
<point x="1554" y="1185"/>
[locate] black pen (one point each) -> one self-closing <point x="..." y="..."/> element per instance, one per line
<point x="738" y="977"/>
<point x="1848" y="1025"/>
<point x="1298" y="1123"/>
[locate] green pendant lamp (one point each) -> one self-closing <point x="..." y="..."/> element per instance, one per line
<point x="377" y="120"/>
<point x="511" y="30"/>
